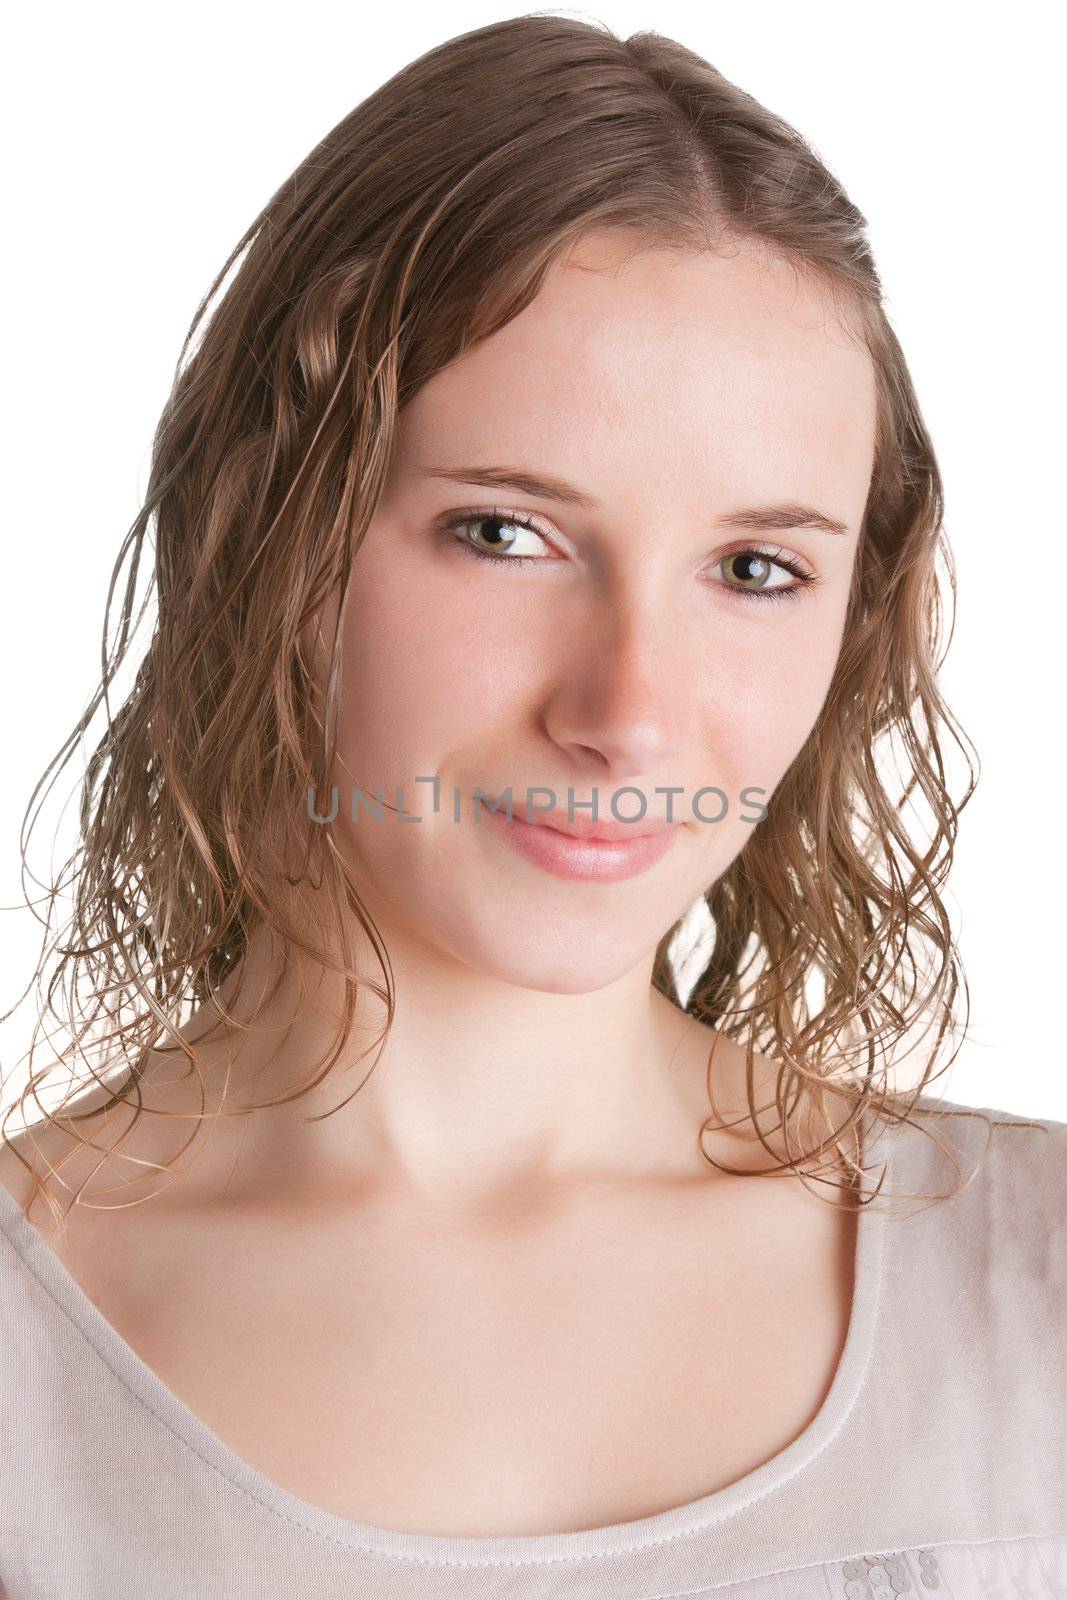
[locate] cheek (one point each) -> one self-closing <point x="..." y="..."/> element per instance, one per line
<point x="421" y="677"/>
<point x="764" y="694"/>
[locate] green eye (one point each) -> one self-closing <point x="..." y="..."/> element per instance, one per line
<point x="753" y="559"/>
<point x="494" y="519"/>
<point x="763" y="589"/>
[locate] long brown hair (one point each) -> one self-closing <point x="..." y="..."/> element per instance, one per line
<point x="420" y="225"/>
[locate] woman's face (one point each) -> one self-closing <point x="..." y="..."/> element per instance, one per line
<point x="657" y="640"/>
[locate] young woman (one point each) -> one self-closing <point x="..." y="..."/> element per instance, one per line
<point x="412" y="1228"/>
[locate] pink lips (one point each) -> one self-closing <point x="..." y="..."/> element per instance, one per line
<point x="601" y="852"/>
<point x="582" y="826"/>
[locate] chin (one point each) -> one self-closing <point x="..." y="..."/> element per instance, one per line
<point x="529" y="960"/>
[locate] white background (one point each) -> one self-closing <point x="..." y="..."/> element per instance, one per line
<point x="140" y="142"/>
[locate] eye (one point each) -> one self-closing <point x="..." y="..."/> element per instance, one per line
<point x="506" y="548"/>
<point x="755" y="575"/>
<point x="499" y="535"/>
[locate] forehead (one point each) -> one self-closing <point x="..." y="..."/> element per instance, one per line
<point x="721" y="367"/>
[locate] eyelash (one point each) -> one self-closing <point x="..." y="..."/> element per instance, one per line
<point x="760" y="596"/>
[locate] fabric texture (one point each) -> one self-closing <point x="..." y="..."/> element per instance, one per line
<point x="937" y="1463"/>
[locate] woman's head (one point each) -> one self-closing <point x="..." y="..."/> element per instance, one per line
<point x="538" y="246"/>
<point x="642" y="645"/>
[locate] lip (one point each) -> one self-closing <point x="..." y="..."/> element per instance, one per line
<point x="590" y="859"/>
<point x="583" y="827"/>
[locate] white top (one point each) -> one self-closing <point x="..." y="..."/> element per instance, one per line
<point x="937" y="1462"/>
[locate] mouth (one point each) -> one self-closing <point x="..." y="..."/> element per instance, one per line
<point x="586" y="829"/>
<point x="587" y="854"/>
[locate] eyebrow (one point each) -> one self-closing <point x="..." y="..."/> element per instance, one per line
<point x="788" y="514"/>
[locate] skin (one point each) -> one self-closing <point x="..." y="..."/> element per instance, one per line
<point x="512" y="1216"/>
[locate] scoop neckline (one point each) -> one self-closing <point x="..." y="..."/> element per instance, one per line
<point x="504" y="1550"/>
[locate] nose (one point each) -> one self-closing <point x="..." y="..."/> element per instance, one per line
<point x="621" y="706"/>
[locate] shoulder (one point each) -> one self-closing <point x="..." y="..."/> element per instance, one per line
<point x="65" y="1157"/>
<point x="32" y="1150"/>
<point x="995" y="1203"/>
<point x="43" y="1165"/>
<point x="1027" y="1198"/>
<point x="1019" y="1155"/>
<point x="1035" y="1147"/>
<point x="970" y="1305"/>
<point x="17" y="1153"/>
<point x="28" y="1215"/>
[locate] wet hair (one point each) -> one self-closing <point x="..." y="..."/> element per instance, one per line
<point x="420" y="225"/>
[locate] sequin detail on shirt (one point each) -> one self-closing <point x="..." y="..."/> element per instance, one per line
<point x="883" y="1576"/>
